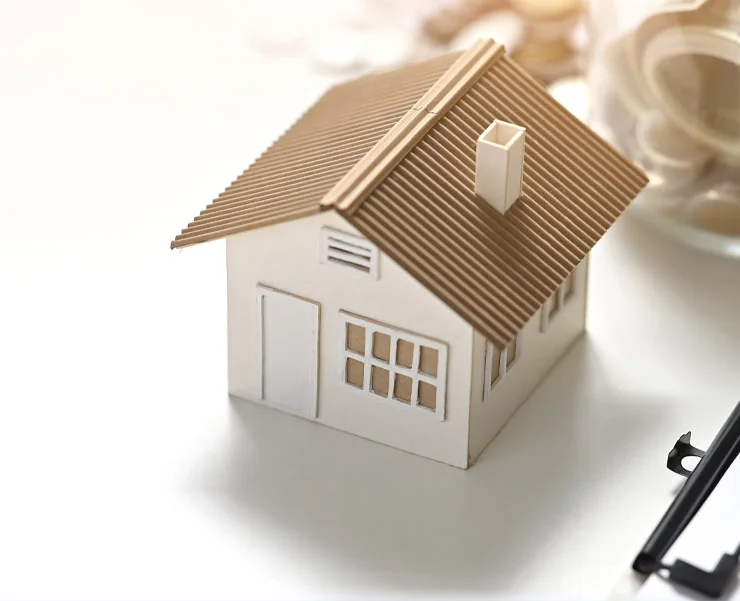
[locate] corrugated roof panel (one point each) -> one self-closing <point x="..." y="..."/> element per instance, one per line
<point x="290" y="179"/>
<point x="496" y="270"/>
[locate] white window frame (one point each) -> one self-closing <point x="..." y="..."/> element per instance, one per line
<point x="503" y="368"/>
<point x="349" y="252"/>
<point x="368" y="360"/>
<point x="561" y="300"/>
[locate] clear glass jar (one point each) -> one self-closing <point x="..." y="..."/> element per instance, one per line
<point x="664" y="78"/>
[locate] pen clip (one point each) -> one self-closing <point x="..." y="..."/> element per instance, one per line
<point x="682" y="449"/>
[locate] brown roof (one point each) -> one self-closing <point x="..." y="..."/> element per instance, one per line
<point x="406" y="181"/>
<point x="291" y="178"/>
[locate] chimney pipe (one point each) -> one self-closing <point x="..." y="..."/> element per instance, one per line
<point x="499" y="163"/>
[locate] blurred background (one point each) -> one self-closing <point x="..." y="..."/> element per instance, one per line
<point x="349" y="37"/>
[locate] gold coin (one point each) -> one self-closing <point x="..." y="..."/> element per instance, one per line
<point x="546" y="9"/>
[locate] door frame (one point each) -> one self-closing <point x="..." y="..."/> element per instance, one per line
<point x="310" y="412"/>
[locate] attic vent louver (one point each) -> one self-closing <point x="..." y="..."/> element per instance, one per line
<point x="499" y="164"/>
<point x="347" y="250"/>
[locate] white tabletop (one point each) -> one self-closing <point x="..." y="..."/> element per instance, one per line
<point x="125" y="471"/>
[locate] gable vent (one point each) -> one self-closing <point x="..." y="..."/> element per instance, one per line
<point x="350" y="251"/>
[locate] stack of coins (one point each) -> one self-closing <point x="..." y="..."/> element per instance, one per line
<point x="546" y="48"/>
<point x="442" y="26"/>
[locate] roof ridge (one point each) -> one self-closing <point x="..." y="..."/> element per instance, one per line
<point x="349" y="192"/>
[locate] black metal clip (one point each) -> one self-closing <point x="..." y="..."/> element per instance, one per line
<point x="712" y="584"/>
<point x="682" y="449"/>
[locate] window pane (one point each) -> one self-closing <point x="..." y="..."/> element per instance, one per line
<point x="355" y="372"/>
<point x="427" y="395"/>
<point x="356" y="338"/>
<point x="382" y="346"/>
<point x="568" y="285"/>
<point x="552" y="307"/>
<point x="379" y="380"/>
<point x="495" y="364"/>
<point x="428" y="360"/>
<point x="511" y="353"/>
<point x="402" y="388"/>
<point x="404" y="353"/>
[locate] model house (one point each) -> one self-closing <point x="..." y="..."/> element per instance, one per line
<point x="410" y="258"/>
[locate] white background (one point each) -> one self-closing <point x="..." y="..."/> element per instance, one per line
<point x="125" y="471"/>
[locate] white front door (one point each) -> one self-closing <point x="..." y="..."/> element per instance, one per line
<point x="289" y="349"/>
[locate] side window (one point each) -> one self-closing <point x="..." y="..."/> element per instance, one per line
<point x="499" y="362"/>
<point x="558" y="301"/>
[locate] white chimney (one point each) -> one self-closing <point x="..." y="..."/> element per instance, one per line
<point x="499" y="163"/>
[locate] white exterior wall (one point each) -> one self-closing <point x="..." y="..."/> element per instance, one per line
<point x="286" y="257"/>
<point x="540" y="352"/>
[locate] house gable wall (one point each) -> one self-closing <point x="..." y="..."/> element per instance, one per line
<point x="286" y="257"/>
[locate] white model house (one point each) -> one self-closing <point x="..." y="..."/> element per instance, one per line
<point x="410" y="258"/>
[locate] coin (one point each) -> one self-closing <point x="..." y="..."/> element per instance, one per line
<point x="546" y="9"/>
